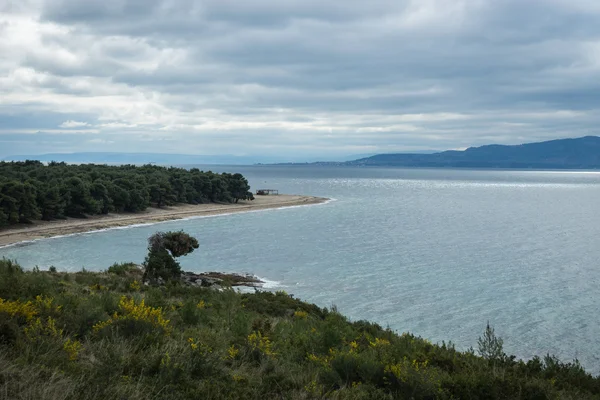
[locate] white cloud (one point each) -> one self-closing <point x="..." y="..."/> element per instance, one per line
<point x="73" y="124"/>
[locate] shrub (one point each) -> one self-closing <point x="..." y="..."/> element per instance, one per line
<point x="122" y="269"/>
<point x="491" y="346"/>
<point x="135" y="319"/>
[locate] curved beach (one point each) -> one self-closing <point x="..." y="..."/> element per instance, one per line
<point x="46" y="229"/>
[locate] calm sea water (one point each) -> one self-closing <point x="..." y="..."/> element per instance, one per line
<point x="434" y="252"/>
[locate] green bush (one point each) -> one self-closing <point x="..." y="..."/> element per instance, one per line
<point x="122" y="269"/>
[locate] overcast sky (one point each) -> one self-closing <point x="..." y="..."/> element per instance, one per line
<point x="295" y="78"/>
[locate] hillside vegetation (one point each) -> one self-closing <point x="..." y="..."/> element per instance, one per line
<point x="106" y="335"/>
<point x="30" y="190"/>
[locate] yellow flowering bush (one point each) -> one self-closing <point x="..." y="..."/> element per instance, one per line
<point x="135" y="286"/>
<point x="379" y="342"/>
<point x="320" y="360"/>
<point x="129" y="311"/>
<point x="45" y="304"/>
<point x="324" y="361"/>
<point x="18" y="309"/>
<point x="38" y="328"/>
<point x="72" y="348"/>
<point x="98" y="287"/>
<point x="199" y="346"/>
<point x="414" y="374"/>
<point x="300" y="314"/>
<point x="314" y="389"/>
<point x="261" y="343"/>
<point x="232" y="352"/>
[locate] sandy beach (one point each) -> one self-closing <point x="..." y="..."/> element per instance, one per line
<point x="45" y="229"/>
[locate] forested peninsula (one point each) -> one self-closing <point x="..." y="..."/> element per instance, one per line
<point x="31" y="190"/>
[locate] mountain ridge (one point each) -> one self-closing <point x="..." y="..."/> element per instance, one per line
<point x="572" y="153"/>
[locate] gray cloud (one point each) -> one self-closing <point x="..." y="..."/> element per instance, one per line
<point x="296" y="77"/>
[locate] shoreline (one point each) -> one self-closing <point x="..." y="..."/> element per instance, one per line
<point x="47" y="229"/>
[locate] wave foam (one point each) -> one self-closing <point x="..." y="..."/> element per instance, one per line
<point x="269" y="284"/>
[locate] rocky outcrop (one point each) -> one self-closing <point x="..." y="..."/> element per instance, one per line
<point x="218" y="279"/>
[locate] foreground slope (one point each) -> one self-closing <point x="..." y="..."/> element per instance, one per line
<point x="104" y="336"/>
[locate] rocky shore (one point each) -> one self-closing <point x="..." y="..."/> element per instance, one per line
<point x="218" y="280"/>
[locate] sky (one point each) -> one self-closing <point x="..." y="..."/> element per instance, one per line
<point x="295" y="78"/>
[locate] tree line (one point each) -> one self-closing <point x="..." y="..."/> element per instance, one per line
<point x="31" y="190"/>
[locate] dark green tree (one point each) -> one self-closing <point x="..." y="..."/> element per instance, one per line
<point x="19" y="199"/>
<point x="100" y="194"/>
<point x="218" y="186"/>
<point x="491" y="346"/>
<point x="52" y="204"/>
<point x="161" y="193"/>
<point x="238" y="187"/>
<point x="3" y="218"/>
<point x="119" y="196"/>
<point x="79" y="199"/>
<point x="163" y="247"/>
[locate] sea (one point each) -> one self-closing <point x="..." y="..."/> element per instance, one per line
<point x="435" y="252"/>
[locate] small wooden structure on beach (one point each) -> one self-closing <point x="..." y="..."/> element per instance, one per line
<point x="267" y="192"/>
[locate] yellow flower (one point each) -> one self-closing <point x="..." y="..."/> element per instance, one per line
<point x="45" y="304"/>
<point x="324" y="361"/>
<point x="232" y="352"/>
<point x="379" y="342"/>
<point x="34" y="330"/>
<point x="201" y="347"/>
<point x="353" y="346"/>
<point x="135" y="285"/>
<point x="313" y="388"/>
<point x="129" y="310"/>
<point x="165" y="361"/>
<point x="395" y="369"/>
<point x="201" y="305"/>
<point x="301" y="314"/>
<point x="18" y="309"/>
<point x="259" y="342"/>
<point x="72" y="348"/>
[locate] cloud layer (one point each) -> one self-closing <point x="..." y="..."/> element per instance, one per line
<point x="295" y="78"/>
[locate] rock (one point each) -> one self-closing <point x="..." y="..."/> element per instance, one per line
<point x="206" y="281"/>
<point x="218" y="279"/>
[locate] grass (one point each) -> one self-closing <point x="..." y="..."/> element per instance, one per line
<point x="105" y="336"/>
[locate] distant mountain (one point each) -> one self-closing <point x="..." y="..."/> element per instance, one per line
<point x="580" y="153"/>
<point x="141" y="158"/>
<point x="169" y="159"/>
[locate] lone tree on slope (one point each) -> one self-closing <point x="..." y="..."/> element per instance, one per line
<point x="163" y="248"/>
